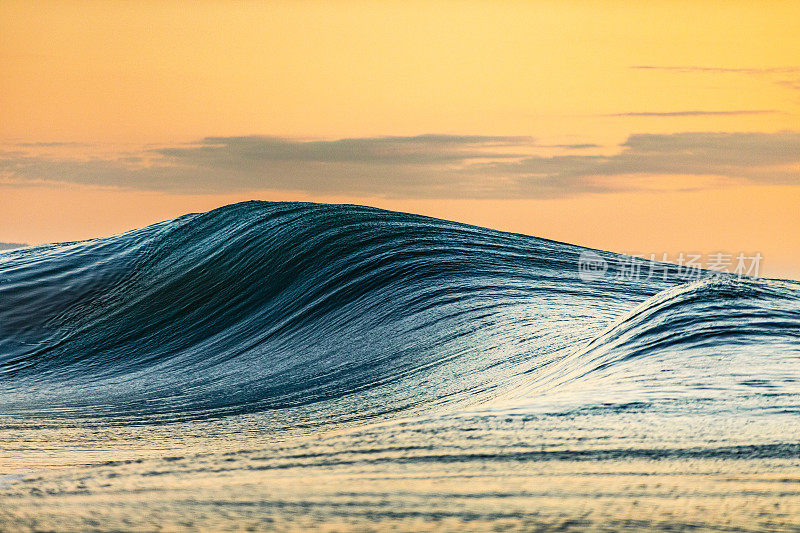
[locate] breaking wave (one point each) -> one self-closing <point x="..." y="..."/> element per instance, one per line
<point x="315" y="314"/>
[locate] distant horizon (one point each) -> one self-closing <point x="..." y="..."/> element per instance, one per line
<point x="665" y="257"/>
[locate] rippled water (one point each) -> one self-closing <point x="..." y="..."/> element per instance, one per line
<point x="287" y="365"/>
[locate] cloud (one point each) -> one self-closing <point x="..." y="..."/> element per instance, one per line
<point x="695" y="113"/>
<point x="759" y="71"/>
<point x="764" y="158"/>
<point x="49" y="144"/>
<point x="421" y="149"/>
<point x="790" y="84"/>
<point x="788" y="77"/>
<point x="425" y="166"/>
<point x="582" y="146"/>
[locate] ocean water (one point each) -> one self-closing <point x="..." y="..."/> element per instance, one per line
<point x="289" y="366"/>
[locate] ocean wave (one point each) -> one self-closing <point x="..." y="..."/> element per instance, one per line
<point x="315" y="314"/>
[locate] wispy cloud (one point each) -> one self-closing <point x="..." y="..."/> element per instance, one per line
<point x="695" y="113"/>
<point x="788" y="76"/>
<point x="790" y="84"/>
<point x="745" y="70"/>
<point x="49" y="144"/>
<point x="426" y="166"/>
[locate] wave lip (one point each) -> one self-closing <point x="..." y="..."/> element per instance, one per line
<point x="721" y="339"/>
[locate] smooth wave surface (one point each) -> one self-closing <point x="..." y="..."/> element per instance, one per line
<point x="313" y="314"/>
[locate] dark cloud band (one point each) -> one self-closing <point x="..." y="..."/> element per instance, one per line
<point x="426" y="166"/>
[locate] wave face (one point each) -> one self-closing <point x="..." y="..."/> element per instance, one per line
<point x="313" y="314"/>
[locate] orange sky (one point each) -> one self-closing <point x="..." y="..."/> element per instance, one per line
<point x="122" y="79"/>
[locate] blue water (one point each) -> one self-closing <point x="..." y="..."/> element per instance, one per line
<point x="271" y="319"/>
<point x="334" y="312"/>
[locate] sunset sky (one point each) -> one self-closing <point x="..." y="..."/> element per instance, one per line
<point x="638" y="127"/>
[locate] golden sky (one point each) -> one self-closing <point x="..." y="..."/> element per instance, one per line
<point x="642" y="127"/>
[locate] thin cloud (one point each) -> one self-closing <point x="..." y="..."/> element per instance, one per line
<point x="790" y="84"/>
<point x="580" y="146"/>
<point x="788" y="77"/>
<point x="49" y="144"/>
<point x="771" y="70"/>
<point x="695" y="113"/>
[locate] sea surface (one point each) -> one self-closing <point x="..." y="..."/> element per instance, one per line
<point x="293" y="366"/>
